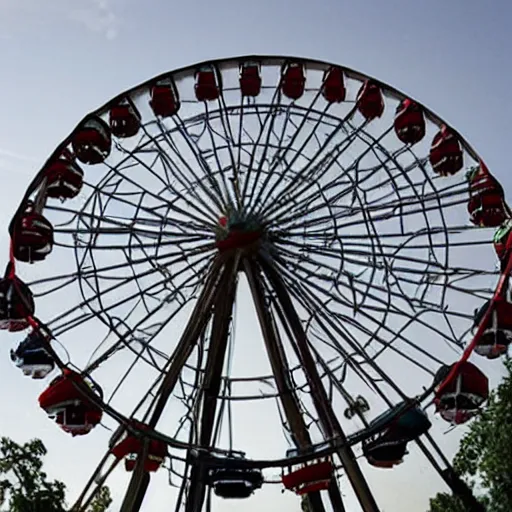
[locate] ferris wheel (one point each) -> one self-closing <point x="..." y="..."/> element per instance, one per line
<point x="260" y="230"/>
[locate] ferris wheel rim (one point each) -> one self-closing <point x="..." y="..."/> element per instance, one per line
<point x="232" y="62"/>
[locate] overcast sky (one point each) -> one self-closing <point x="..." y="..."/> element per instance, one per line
<point x="63" y="58"/>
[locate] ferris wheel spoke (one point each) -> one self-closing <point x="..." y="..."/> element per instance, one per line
<point x="143" y="334"/>
<point x="316" y="170"/>
<point x="280" y="154"/>
<point x="313" y="305"/>
<point x="172" y="150"/>
<point x="254" y="167"/>
<point x="307" y="300"/>
<point x="191" y="282"/>
<point x="169" y="192"/>
<point x="193" y="146"/>
<point x="174" y="166"/>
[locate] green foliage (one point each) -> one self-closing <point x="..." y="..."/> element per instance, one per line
<point x="484" y="458"/>
<point x="24" y="486"/>
<point x="446" y="503"/>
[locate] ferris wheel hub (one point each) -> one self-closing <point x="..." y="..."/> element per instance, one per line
<point x="238" y="230"/>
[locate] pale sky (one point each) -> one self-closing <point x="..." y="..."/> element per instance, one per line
<point x="62" y="58"/>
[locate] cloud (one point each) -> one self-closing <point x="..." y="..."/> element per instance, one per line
<point x="98" y="16"/>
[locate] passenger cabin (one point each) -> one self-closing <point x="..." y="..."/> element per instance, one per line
<point x="164" y="100"/>
<point x="393" y="429"/>
<point x="92" y="141"/>
<point x="459" y="399"/>
<point x="64" y="178"/>
<point x="497" y="334"/>
<point x="293" y="80"/>
<point x="208" y="83"/>
<point x="233" y="483"/>
<point x="409" y="123"/>
<point x="32" y="357"/>
<point x="250" y="79"/>
<point x="65" y="401"/>
<point x="31" y="235"/>
<point x="486" y="205"/>
<point x="333" y="85"/>
<point x="131" y="447"/>
<point x="312" y="476"/>
<point x="370" y="100"/>
<point x="446" y="152"/>
<point x="124" y="120"/>
<point x="16" y="304"/>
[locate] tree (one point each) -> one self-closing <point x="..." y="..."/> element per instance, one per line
<point x="24" y="486"/>
<point x="484" y="458"/>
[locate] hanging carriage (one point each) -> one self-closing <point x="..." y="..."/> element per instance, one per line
<point x="497" y="334"/>
<point x="32" y="236"/>
<point x="293" y="80"/>
<point x="208" y="83"/>
<point x="250" y="79"/>
<point x="370" y="100"/>
<point x="459" y="400"/>
<point x="333" y="85"/>
<point x="233" y="483"/>
<point x="313" y="476"/>
<point x="16" y="304"/>
<point x="164" y="100"/>
<point x="131" y="447"/>
<point x="73" y="411"/>
<point x="64" y="178"/>
<point x="124" y="120"/>
<point x="486" y="205"/>
<point x="92" y="141"/>
<point x="409" y="123"/>
<point x="32" y="356"/>
<point x="446" y="152"/>
<point x="394" y="429"/>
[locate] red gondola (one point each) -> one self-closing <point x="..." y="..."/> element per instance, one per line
<point x="409" y="122"/>
<point x="250" y="79"/>
<point x="164" y="100"/>
<point x="74" y="412"/>
<point x="308" y="478"/>
<point x="124" y="120"/>
<point x="497" y="334"/>
<point x="16" y="304"/>
<point x="460" y="399"/>
<point x="446" y="152"/>
<point x="131" y="447"/>
<point x="92" y="141"/>
<point x="370" y="100"/>
<point x="293" y="80"/>
<point x="333" y="87"/>
<point x="64" y="178"/>
<point x="486" y="205"/>
<point x="207" y="87"/>
<point x="32" y="236"/>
